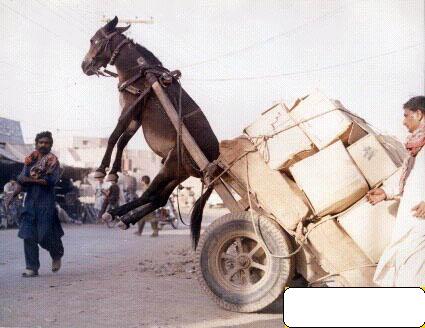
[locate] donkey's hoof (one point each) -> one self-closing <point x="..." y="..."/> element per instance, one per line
<point x="99" y="174"/>
<point x="122" y="225"/>
<point x="112" y="177"/>
<point x="106" y="217"/>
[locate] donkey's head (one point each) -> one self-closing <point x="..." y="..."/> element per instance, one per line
<point x="102" y="45"/>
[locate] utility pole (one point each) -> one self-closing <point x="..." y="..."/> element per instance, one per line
<point x="135" y="20"/>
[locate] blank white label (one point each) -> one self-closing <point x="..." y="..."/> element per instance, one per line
<point x="354" y="307"/>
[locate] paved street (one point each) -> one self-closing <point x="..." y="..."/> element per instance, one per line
<point x="113" y="278"/>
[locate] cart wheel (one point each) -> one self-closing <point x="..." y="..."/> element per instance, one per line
<point x="234" y="268"/>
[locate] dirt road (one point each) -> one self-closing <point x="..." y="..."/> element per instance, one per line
<point x="113" y="278"/>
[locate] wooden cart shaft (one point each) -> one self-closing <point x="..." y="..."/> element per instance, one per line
<point x="191" y="145"/>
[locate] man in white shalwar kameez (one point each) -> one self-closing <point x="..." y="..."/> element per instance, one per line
<point x="403" y="262"/>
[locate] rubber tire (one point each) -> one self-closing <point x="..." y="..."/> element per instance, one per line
<point x="280" y="271"/>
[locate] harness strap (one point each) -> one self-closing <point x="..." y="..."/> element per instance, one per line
<point x="165" y="77"/>
<point x="117" y="50"/>
<point x="133" y="79"/>
<point x="132" y="109"/>
<point x="196" y="111"/>
<point x="133" y="90"/>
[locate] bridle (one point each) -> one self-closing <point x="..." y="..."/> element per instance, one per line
<point x="105" y="45"/>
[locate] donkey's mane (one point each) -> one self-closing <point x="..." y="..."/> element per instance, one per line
<point x="147" y="55"/>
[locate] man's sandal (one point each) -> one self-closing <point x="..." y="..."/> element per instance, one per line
<point x="29" y="273"/>
<point x="56" y="265"/>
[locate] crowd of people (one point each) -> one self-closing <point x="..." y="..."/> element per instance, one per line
<point x="79" y="202"/>
<point x="101" y="196"/>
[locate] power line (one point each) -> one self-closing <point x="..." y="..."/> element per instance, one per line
<point x="272" y="38"/>
<point x="77" y="15"/>
<point x="31" y="20"/>
<point x="22" y="68"/>
<point x="38" y="24"/>
<point x="271" y="76"/>
<point x="60" y="16"/>
<point x="73" y="15"/>
<point x="49" y="91"/>
<point x="32" y="72"/>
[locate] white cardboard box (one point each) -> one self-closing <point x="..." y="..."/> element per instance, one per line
<point x="370" y="226"/>
<point x="283" y="146"/>
<point x="276" y="193"/>
<point x="395" y="149"/>
<point x="321" y="119"/>
<point x="339" y="255"/>
<point x="330" y="180"/>
<point x="372" y="159"/>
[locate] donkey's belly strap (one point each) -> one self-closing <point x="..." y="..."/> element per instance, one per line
<point x="196" y="111"/>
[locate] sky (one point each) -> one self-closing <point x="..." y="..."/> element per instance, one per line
<point x="237" y="58"/>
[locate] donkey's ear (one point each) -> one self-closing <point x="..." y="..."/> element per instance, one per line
<point x="122" y="29"/>
<point x="110" y="26"/>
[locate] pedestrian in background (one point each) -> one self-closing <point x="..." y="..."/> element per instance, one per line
<point x="112" y="198"/>
<point x="151" y="217"/>
<point x="99" y="196"/>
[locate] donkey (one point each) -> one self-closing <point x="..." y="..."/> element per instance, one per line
<point x="109" y="43"/>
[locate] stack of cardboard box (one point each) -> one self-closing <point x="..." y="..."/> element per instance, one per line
<point x="333" y="157"/>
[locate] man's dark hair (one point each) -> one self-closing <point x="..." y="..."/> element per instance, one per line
<point x="44" y="134"/>
<point x="146" y="179"/>
<point x="416" y="103"/>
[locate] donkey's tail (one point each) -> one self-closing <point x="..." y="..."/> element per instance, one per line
<point x="196" y="217"/>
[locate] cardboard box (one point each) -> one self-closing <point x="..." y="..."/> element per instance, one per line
<point x="330" y="180"/>
<point x="372" y="159"/>
<point x="320" y="119"/>
<point x="307" y="265"/>
<point x="370" y="226"/>
<point x="276" y="193"/>
<point x="339" y="255"/>
<point x="395" y="149"/>
<point x="354" y="134"/>
<point x="393" y="182"/>
<point x="285" y="143"/>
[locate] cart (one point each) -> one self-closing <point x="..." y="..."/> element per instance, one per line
<point x="245" y="259"/>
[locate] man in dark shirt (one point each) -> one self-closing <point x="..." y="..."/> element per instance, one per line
<point x="39" y="220"/>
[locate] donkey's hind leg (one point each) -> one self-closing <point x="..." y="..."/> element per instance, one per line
<point x="122" y="143"/>
<point x="160" y="199"/>
<point x="167" y="174"/>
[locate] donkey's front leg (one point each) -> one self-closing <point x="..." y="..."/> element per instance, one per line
<point x="113" y="139"/>
<point x="122" y="143"/>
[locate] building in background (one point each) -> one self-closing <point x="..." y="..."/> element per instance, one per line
<point x="12" y="145"/>
<point x="89" y="142"/>
<point x="12" y="150"/>
<point x="88" y="152"/>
